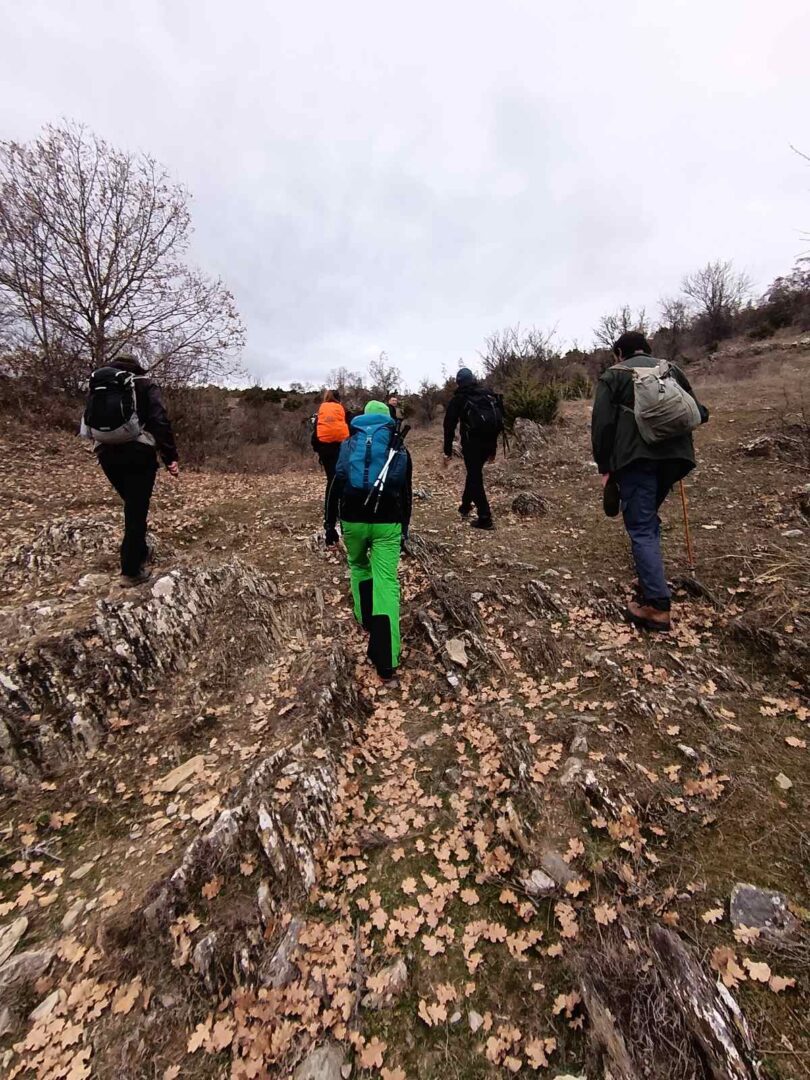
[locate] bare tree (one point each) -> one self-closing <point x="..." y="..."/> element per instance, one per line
<point x="343" y="380"/>
<point x="675" y="320"/>
<point x="92" y="246"/>
<point x="715" y="294"/>
<point x="428" y="399"/>
<point x="384" y="377"/>
<point x="612" y="326"/>
<point x="513" y="350"/>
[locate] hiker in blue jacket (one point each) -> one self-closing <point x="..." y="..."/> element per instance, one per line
<point x="374" y="520"/>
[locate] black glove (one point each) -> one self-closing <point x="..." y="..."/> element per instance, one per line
<point x="331" y="536"/>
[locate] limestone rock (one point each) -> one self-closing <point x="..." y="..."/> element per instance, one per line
<point x="73" y="914"/>
<point x="19" y="974"/>
<point x="570" y="771"/>
<point x="61" y="667"/>
<point x="475" y="1019"/>
<point x="764" y="909"/>
<point x="172" y="781"/>
<point x="279" y="970"/>
<point x="203" y="960"/>
<point x="528" y="436"/>
<point x="556" y="867"/>
<point x="538" y="883"/>
<point x="395" y="978"/>
<point x="10" y="936"/>
<point x="323" y="1063"/>
<point x="528" y="504"/>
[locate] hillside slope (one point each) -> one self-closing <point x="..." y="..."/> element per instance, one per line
<point x="228" y="851"/>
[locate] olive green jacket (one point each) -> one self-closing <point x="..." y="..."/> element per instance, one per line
<point x="614" y="434"/>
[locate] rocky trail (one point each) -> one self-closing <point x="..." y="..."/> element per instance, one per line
<point x="553" y="847"/>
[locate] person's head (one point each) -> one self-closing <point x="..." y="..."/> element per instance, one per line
<point x="631" y="343"/>
<point x="465" y="377"/>
<point x="331" y="395"/>
<point x="376" y="408"/>
<point x="129" y="362"/>
<point x="393" y="400"/>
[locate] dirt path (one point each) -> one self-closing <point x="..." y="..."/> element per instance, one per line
<point x="446" y="878"/>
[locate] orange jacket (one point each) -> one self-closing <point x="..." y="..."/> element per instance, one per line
<point x="331" y="426"/>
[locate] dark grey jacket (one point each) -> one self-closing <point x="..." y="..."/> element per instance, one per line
<point x="615" y="437"/>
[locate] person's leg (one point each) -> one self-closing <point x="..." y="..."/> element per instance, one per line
<point x="474" y="461"/>
<point x="466" y="498"/>
<point x="117" y="475"/>
<point x="638" y="486"/>
<point x="384" y="642"/>
<point x="356" y="541"/>
<point x="328" y="457"/>
<point x="139" y="483"/>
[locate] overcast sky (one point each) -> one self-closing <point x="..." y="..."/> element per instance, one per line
<point x="412" y="176"/>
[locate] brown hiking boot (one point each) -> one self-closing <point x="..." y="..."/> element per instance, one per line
<point x="647" y="617"/>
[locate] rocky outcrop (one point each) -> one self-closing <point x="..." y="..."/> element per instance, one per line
<point x="81" y="661"/>
<point x="286" y="805"/>
<point x="56" y="542"/>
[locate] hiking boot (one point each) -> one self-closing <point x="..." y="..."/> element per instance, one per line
<point x="482" y="523"/>
<point x="611" y="502"/>
<point x="465" y="511"/>
<point x="387" y="674"/>
<point x="647" y="617"/>
<point x="130" y="582"/>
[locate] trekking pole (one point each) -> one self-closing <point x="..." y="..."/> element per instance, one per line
<point x="396" y="445"/>
<point x="689" y="553"/>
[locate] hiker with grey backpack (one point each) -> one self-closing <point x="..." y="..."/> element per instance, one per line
<point x="127" y="421"/>
<point x="643" y="417"/>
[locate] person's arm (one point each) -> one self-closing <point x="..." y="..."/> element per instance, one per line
<point x="451" y="418"/>
<point x="158" y="425"/>
<point x="603" y="426"/>
<point x="684" y="382"/>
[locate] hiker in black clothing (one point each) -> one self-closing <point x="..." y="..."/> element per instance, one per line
<point x="480" y="414"/>
<point x="131" y="466"/>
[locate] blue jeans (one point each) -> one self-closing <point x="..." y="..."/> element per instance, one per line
<point x="643" y="486"/>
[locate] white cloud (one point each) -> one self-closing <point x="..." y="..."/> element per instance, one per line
<point x="412" y="177"/>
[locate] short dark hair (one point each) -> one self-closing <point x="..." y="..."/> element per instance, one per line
<point x="630" y="343"/>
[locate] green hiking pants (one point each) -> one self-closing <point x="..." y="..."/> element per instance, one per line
<point x="373" y="552"/>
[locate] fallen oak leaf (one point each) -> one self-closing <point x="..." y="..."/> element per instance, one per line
<point x="371" y="1055"/>
<point x="746" y="934"/>
<point x="212" y="888"/>
<point x="605" y="914"/>
<point x="778" y="983"/>
<point x="758" y="971"/>
<point x="713" y="915"/>
<point x="126" y="996"/>
<point x="724" y="962"/>
<point x="200" y="1035"/>
<point x="577" y="886"/>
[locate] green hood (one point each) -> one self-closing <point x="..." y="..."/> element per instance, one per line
<point x="376" y="408"/>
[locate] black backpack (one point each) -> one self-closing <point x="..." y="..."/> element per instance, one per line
<point x="484" y="414"/>
<point x="111" y="411"/>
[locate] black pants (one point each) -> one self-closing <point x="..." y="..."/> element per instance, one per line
<point x="134" y="481"/>
<point x="328" y="454"/>
<point x="475" y="456"/>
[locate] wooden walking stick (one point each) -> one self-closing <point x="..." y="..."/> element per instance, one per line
<point x="689" y="553"/>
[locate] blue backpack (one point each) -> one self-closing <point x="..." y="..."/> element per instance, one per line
<point x="364" y="456"/>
